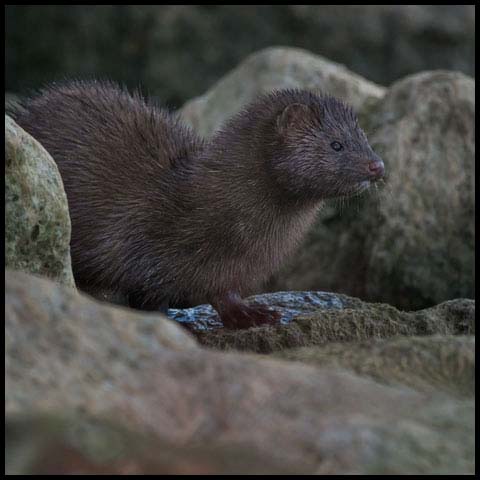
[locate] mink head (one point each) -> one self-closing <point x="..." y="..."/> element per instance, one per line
<point x="321" y="152"/>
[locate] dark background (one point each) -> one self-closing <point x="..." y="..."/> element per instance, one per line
<point x="176" y="52"/>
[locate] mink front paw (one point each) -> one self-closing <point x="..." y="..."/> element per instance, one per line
<point x="245" y="316"/>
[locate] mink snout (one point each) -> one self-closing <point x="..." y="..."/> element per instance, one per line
<point x="376" y="169"/>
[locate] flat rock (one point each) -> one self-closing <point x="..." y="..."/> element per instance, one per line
<point x="288" y="304"/>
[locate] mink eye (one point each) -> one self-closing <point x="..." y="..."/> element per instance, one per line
<point x="336" y="146"/>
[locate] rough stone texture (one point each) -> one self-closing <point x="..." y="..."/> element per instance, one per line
<point x="413" y="244"/>
<point x="90" y="342"/>
<point x="68" y="354"/>
<point x="178" y="51"/>
<point x="37" y="222"/>
<point x="276" y="68"/>
<point x="78" y="444"/>
<point x="327" y="420"/>
<point x="357" y="322"/>
<point x="428" y="364"/>
<point x="321" y="421"/>
<point x="424" y="246"/>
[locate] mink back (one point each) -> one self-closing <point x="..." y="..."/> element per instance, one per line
<point x="159" y="214"/>
<point x="121" y="160"/>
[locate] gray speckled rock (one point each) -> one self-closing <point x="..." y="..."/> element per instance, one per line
<point x="289" y="304"/>
<point x="37" y="222"/>
<point x="412" y="245"/>
<point x="276" y="68"/>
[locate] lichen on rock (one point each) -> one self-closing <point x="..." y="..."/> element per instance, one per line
<point x="37" y="221"/>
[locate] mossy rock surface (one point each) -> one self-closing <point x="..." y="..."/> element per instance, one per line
<point x="37" y="221"/>
<point x="363" y="322"/>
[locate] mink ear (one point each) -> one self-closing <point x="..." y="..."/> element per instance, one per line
<point x="292" y="115"/>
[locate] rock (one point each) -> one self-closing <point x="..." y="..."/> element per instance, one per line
<point x="424" y="246"/>
<point x="37" y="222"/>
<point x="276" y="68"/>
<point x="178" y="51"/>
<point x="78" y="444"/>
<point x="412" y="245"/>
<point x="325" y="420"/>
<point x="428" y="364"/>
<point x="357" y="321"/>
<point x="288" y="304"/>
<point x="317" y="420"/>
<point x="109" y="342"/>
<point x="458" y="314"/>
<point x="141" y="373"/>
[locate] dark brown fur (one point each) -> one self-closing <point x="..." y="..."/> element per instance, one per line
<point x="168" y="218"/>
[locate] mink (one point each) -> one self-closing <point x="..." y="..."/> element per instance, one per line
<point x="169" y="219"/>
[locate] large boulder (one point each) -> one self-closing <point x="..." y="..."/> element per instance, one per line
<point x="37" y="221"/>
<point x="67" y="355"/>
<point x="423" y="248"/>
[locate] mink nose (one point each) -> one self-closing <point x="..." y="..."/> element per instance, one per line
<point x="376" y="169"/>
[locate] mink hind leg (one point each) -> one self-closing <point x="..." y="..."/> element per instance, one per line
<point x="236" y="314"/>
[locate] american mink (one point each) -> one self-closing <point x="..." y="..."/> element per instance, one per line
<point x="169" y="219"/>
